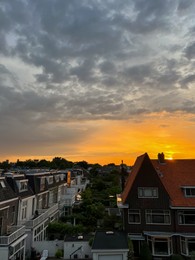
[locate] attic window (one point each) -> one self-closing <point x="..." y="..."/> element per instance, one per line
<point x="50" y="179"/>
<point x="57" y="178"/>
<point x="22" y="185"/>
<point x="147" y="192"/>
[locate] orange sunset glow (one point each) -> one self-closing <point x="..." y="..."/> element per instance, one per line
<point x="114" y="141"/>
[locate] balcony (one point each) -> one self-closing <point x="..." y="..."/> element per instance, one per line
<point x="14" y="232"/>
<point x="44" y="215"/>
<point x="67" y="200"/>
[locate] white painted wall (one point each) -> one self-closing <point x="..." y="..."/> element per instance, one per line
<point x="70" y="247"/>
<point x="3" y="252"/>
<point x="51" y="246"/>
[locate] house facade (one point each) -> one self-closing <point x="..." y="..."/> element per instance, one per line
<point x="12" y="236"/>
<point x="158" y="205"/>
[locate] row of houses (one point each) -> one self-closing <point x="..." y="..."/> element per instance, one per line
<point x="29" y="201"/>
<point x="158" y="205"/>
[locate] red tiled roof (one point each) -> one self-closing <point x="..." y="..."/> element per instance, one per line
<point x="131" y="178"/>
<point x="174" y="175"/>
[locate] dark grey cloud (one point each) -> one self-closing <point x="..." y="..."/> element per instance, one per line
<point x="92" y="59"/>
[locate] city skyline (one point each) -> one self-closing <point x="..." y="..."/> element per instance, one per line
<point x="100" y="81"/>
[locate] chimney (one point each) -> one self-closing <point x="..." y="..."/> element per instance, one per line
<point x="122" y="176"/>
<point x="161" y="158"/>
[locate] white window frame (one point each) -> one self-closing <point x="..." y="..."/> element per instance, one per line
<point x="191" y="191"/>
<point x="24" y="209"/>
<point x="181" y="216"/>
<point x="184" y="245"/>
<point x="57" y="178"/>
<point x="2" y="183"/>
<point x="42" y="183"/>
<point x="50" y="179"/>
<point x="135" y="212"/>
<point x="149" y="213"/>
<point x="143" y="192"/>
<point x="22" y="185"/>
<point x="167" y="240"/>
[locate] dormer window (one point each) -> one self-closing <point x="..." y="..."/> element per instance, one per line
<point x="50" y="179"/>
<point x="2" y="183"/>
<point x="189" y="191"/>
<point x="42" y="183"/>
<point x="147" y="192"/>
<point x="57" y="178"/>
<point x="22" y="185"/>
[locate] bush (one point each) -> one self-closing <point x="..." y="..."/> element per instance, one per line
<point x="192" y="255"/>
<point x="145" y="253"/>
<point x="59" y="253"/>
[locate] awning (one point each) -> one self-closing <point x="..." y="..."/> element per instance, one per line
<point x="159" y="234"/>
<point x="136" y="237"/>
<point x="189" y="235"/>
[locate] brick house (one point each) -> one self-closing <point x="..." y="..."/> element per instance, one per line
<point x="158" y="205"/>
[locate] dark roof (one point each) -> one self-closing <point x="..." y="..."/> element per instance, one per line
<point x="6" y="193"/>
<point x="110" y="240"/>
<point x="12" y="182"/>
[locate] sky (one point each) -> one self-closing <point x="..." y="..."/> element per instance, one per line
<point x="97" y="80"/>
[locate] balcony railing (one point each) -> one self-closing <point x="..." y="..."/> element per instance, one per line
<point x="44" y="215"/>
<point x="14" y="232"/>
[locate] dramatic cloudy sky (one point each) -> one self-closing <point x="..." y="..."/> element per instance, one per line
<point x="97" y="80"/>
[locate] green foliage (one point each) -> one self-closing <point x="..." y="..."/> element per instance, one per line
<point x="145" y="253"/>
<point x="131" y="249"/>
<point x="59" y="253"/>
<point x="177" y="257"/>
<point x="91" y="241"/>
<point x="192" y="255"/>
<point x="59" y="230"/>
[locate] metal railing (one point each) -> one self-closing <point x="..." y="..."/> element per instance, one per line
<point x="14" y="232"/>
<point x="44" y="215"/>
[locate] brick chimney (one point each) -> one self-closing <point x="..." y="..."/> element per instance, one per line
<point x="161" y="158"/>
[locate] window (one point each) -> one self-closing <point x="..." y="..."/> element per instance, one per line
<point x="2" y="183"/>
<point x="24" y="209"/>
<point x="186" y="217"/>
<point x="57" y="178"/>
<point x="160" y="246"/>
<point x="50" y="179"/>
<point x="158" y="217"/>
<point x="42" y="183"/>
<point x="147" y="192"/>
<point x="22" y="185"/>
<point x="187" y="245"/>
<point x="134" y="216"/>
<point x="189" y="192"/>
<point x="13" y="214"/>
